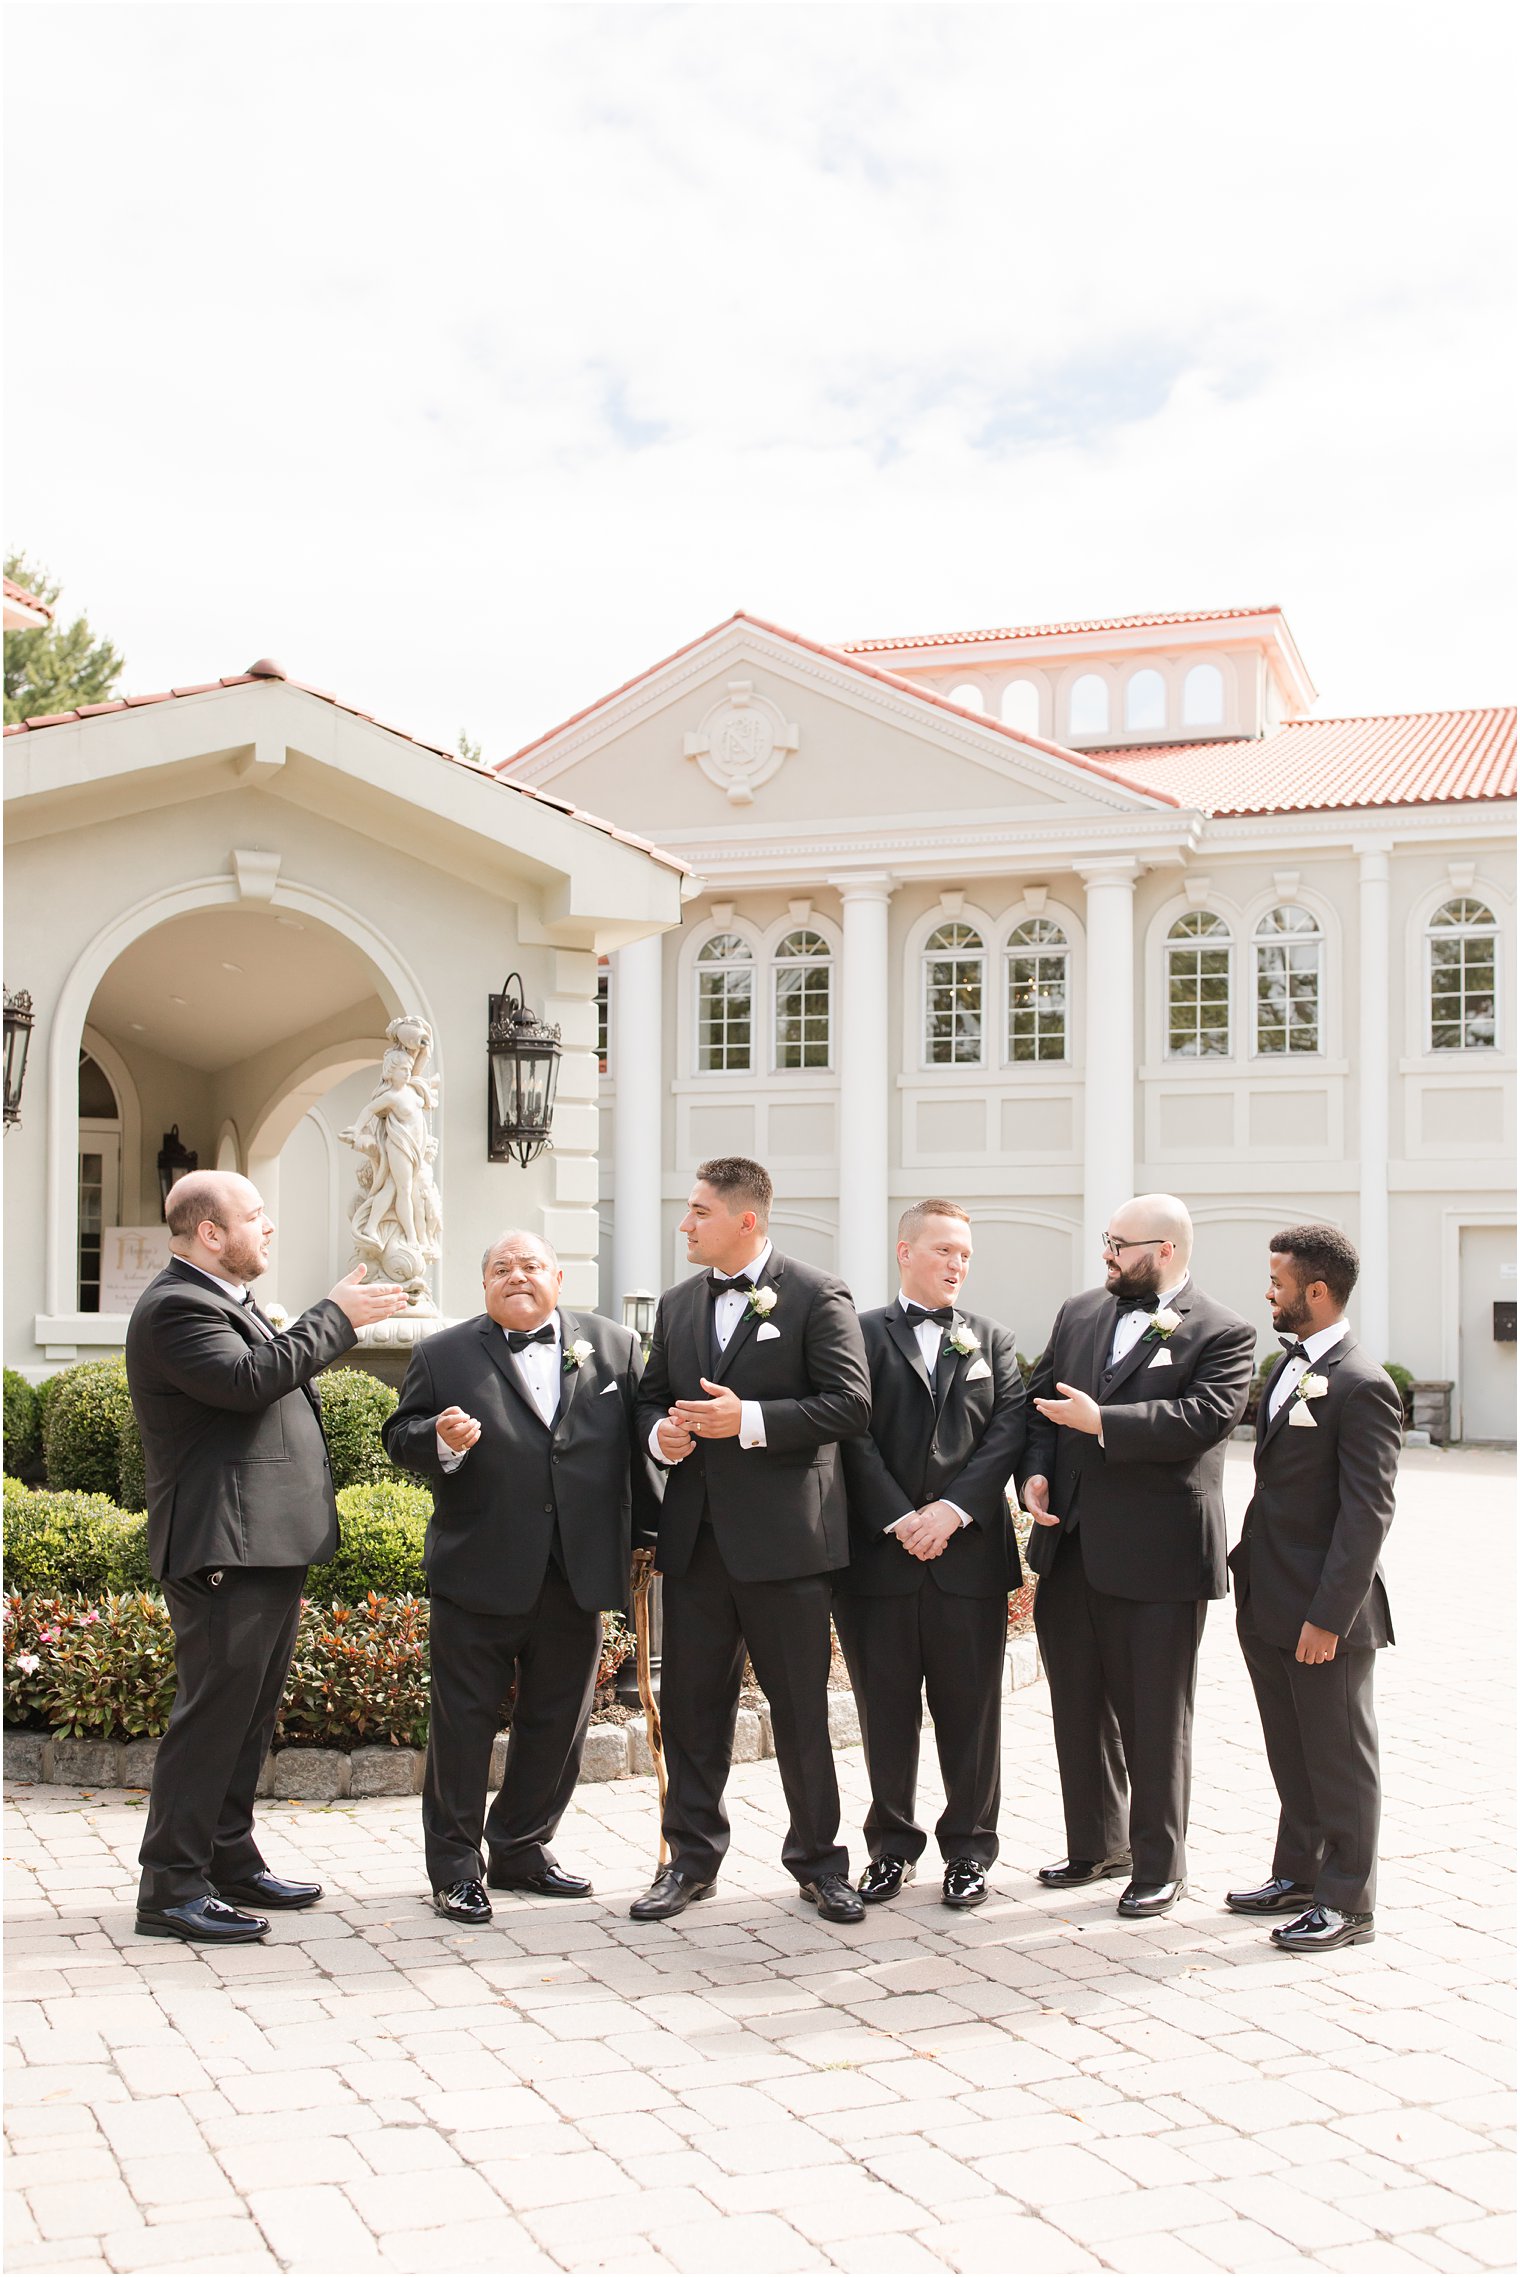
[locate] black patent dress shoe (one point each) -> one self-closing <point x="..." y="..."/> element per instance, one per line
<point x="202" y="1921"/>
<point x="464" y="1902"/>
<point x="1323" y="1930"/>
<point x="883" y="1878"/>
<point x="1073" y="1872"/>
<point x="670" y="1893"/>
<point x="1142" y="1901"/>
<point x="549" y="1881"/>
<point x="1277" y="1896"/>
<point x="965" y="1882"/>
<point x="834" y="1898"/>
<point x="265" y="1888"/>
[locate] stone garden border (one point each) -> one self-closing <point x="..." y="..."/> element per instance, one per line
<point x="330" y="1774"/>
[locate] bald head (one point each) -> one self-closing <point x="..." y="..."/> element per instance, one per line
<point x="217" y="1221"/>
<point x="1148" y="1246"/>
<point x="1157" y="1217"/>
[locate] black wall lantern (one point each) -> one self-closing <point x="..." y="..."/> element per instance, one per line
<point x="639" y="1309"/>
<point x="174" y="1159"/>
<point x="18" y="1042"/>
<point x="523" y="1053"/>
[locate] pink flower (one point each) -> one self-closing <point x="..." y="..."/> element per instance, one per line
<point x="28" y="1662"/>
<point x="48" y="1636"/>
<point x="91" y="1616"/>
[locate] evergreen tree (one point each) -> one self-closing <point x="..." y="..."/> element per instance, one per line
<point x="53" y="669"/>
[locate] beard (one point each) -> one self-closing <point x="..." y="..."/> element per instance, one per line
<point x="243" y="1257"/>
<point x="1292" y="1315"/>
<point x="1142" y="1279"/>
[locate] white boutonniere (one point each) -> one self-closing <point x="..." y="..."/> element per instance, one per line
<point x="1313" y="1387"/>
<point x="577" y="1354"/>
<point x="1166" y="1322"/>
<point x="762" y="1303"/>
<point x="276" y="1315"/>
<point x="960" y="1339"/>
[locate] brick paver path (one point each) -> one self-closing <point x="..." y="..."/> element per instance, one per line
<point x="1033" y="2087"/>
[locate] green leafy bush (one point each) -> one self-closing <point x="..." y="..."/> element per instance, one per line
<point x="1403" y="1384"/>
<point x="23" y="1426"/>
<point x="72" y="1542"/>
<point x="359" y="1675"/>
<point x="354" y="1407"/>
<point x="90" y="1435"/>
<point x="89" y="1669"/>
<point x="380" y="1547"/>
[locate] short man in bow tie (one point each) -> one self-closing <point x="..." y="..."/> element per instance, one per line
<point x="922" y="1606"/>
<point x="522" y="1422"/>
<point x="1311" y="1609"/>
<point x="755" y="1373"/>
<point x="1136" y="1395"/>
<point x="240" y="1502"/>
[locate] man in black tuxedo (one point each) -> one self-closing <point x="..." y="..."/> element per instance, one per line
<point x="1311" y="1609"/>
<point x="240" y="1502"/>
<point x="755" y="1373"/>
<point x="922" y="1606"/>
<point x="522" y="1422"/>
<point x="1137" y="1393"/>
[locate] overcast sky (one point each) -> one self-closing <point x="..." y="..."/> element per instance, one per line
<point x="468" y="358"/>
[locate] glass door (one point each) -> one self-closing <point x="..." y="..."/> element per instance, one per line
<point x="99" y="1202"/>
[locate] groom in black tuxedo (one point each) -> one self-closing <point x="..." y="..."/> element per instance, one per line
<point x="1311" y="1609"/>
<point x="922" y="1606"/>
<point x="755" y="1373"/>
<point x="1135" y="1397"/>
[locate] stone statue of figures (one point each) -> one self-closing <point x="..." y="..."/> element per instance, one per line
<point x="398" y="1220"/>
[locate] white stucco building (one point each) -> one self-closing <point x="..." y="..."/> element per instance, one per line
<point x="217" y="897"/>
<point x="1038" y="917"/>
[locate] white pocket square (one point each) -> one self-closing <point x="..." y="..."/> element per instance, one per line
<point x="1299" y="1417"/>
<point x="977" y="1370"/>
<point x="764" y="1330"/>
<point x="1161" y="1359"/>
<point x="606" y="1388"/>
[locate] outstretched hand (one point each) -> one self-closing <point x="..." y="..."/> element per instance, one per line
<point x="1076" y="1411"/>
<point x="362" y="1303"/>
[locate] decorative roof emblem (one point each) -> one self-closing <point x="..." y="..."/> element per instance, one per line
<point x="742" y="742"/>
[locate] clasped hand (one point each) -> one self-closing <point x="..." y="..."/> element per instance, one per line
<point x="457" y="1430"/>
<point x="924" y="1533"/>
<point x="717" y="1417"/>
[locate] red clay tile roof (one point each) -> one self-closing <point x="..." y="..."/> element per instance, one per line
<point x="323" y="695"/>
<point x="1047" y="632"/>
<point x="893" y="680"/>
<point x="25" y="600"/>
<point x="1402" y="759"/>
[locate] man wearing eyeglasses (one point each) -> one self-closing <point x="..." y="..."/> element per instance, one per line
<point x="1132" y="1404"/>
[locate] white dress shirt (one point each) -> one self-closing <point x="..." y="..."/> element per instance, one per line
<point x="1315" y="1347"/>
<point x="728" y="1311"/>
<point x="540" y="1370"/>
<point x="930" y="1335"/>
<point x="1132" y="1326"/>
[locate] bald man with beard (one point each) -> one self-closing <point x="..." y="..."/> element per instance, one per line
<point x="1132" y="1403"/>
<point x="240" y="1502"/>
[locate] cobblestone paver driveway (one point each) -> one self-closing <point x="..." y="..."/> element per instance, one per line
<point x="1033" y="2087"/>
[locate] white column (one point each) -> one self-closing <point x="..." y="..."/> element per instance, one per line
<point x="1108" y="1078"/>
<point x="638" y="1076"/>
<point x="1374" y="1021"/>
<point x="865" y="1077"/>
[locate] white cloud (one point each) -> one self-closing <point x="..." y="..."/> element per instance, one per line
<point x="470" y="357"/>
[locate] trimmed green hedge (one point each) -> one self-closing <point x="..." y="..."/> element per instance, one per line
<point x="380" y="1547"/>
<point x="23" y="1426"/>
<point x="78" y="1542"/>
<point x="354" y="1408"/>
<point x="90" y="1434"/>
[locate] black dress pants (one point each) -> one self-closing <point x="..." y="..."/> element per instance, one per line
<point x="551" y="1653"/>
<point x="234" y="1632"/>
<point x="1322" y="1746"/>
<point x="1122" y="1673"/>
<point x="900" y="1650"/>
<point x="709" y="1619"/>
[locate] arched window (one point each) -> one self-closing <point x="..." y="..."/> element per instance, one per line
<point x="955" y="967"/>
<point x="725" y="1000"/>
<point x="1087" y="706"/>
<point x="1289" y="953"/>
<point x="1037" y="964"/>
<point x="1463" y="949"/>
<point x="1021" y="707"/>
<point x="1198" y="987"/>
<point x="804" y="988"/>
<point x="969" y="694"/>
<point x="1203" y="697"/>
<point x="1145" y="700"/>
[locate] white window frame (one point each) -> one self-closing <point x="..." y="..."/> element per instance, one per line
<point x="1224" y="938"/>
<point x="752" y="962"/>
<point x="1434" y="930"/>
<point x="828" y="962"/>
<point x="1260" y="940"/>
<point x="927" y="956"/>
<point x="1063" y="949"/>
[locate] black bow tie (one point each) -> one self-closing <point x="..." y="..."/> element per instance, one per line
<point x="1152" y="1303"/>
<point x="518" y="1339"/>
<point x="942" y="1313"/>
<point x="1292" y="1348"/>
<point x="718" y="1282"/>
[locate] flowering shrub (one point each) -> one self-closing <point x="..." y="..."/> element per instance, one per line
<point x="359" y="1675"/>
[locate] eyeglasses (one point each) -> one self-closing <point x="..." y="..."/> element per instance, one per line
<point x="1111" y="1248"/>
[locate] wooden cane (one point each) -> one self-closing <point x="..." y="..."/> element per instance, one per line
<point x="643" y="1578"/>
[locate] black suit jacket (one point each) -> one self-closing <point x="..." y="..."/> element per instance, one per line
<point x="965" y="1448"/>
<point x="1149" y="1502"/>
<point x="494" y="1517"/>
<point x="237" y="1469"/>
<point x="778" y="1511"/>
<point x="1323" y="1504"/>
